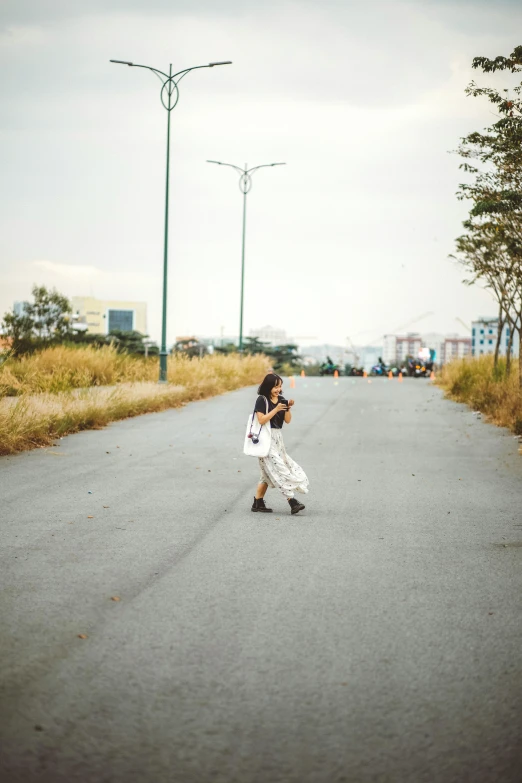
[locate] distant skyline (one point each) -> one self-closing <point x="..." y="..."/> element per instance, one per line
<point x="362" y="101"/>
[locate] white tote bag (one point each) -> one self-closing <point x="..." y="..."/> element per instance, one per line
<point x="258" y="436"/>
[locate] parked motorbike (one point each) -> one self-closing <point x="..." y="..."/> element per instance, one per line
<point x="383" y="370"/>
<point x="417" y="368"/>
<point x="379" y="369"/>
<point x="329" y="367"/>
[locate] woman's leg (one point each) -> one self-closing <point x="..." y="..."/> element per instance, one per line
<point x="259" y="503"/>
<point x="261" y="490"/>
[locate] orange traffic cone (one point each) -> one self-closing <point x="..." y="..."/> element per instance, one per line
<point x="432" y="376"/>
<point x="365" y="374"/>
<point x="336" y="373"/>
<point x="390" y="374"/>
<point x="292" y="382"/>
<point x="400" y="377"/>
<point x="302" y="373"/>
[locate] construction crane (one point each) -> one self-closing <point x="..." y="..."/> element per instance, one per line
<point x="397" y="329"/>
<point x="410" y="323"/>
<point x="466" y="327"/>
<point x="351" y="347"/>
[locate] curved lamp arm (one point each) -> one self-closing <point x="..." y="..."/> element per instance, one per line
<point x="135" y="65"/>
<point x="245" y="179"/>
<point x="264" y="166"/>
<point x="195" y="68"/>
<point x="169" y="81"/>
<point x="219" y="163"/>
<point x="184" y="71"/>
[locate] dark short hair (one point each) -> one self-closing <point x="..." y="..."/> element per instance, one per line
<point x="268" y="384"/>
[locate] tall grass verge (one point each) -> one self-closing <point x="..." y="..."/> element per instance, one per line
<point x="62" y="368"/>
<point x="57" y="394"/>
<point x="477" y="383"/>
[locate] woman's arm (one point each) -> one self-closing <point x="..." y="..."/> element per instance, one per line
<point x="264" y="417"/>
<point x="288" y="413"/>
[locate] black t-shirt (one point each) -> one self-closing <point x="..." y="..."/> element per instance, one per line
<point x="276" y="421"/>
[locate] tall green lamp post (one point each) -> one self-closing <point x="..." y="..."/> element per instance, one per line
<point x="169" y="98"/>
<point x="245" y="184"/>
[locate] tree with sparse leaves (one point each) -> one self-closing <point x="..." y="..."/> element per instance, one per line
<point x="44" y="321"/>
<point x="510" y="107"/>
<point x="483" y="254"/>
<point x="491" y="248"/>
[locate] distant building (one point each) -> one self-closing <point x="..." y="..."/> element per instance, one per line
<point x="316" y="354"/>
<point x="397" y="347"/>
<point x="270" y="334"/>
<point x="20" y="308"/>
<point x="368" y="355"/>
<point x="455" y="347"/>
<point x="102" y="316"/>
<point x="484" y="334"/>
<point x="219" y="342"/>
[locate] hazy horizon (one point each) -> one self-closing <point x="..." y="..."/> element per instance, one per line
<point x="362" y="102"/>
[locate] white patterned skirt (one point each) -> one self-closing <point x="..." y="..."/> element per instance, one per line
<point x="279" y="470"/>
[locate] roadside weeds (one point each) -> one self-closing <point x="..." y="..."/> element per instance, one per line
<point x="475" y="382"/>
<point x="30" y="420"/>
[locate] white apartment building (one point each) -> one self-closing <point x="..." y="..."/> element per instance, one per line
<point x="484" y="333"/>
<point x="389" y="348"/>
<point x="397" y="347"/>
<point x="455" y="347"/>
<point x="102" y="316"/>
<point x="20" y="308"/>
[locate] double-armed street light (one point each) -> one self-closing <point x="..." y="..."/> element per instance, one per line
<point x="245" y="184"/>
<point x="169" y="98"/>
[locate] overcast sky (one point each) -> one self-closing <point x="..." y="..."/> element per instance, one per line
<point x="362" y="100"/>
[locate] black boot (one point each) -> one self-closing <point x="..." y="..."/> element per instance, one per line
<point x="259" y="505"/>
<point x="295" y="505"/>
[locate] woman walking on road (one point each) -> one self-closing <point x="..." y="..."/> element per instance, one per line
<point x="277" y="469"/>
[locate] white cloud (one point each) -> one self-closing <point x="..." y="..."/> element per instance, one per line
<point x="69" y="272"/>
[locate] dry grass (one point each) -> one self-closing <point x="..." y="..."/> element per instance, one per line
<point x="60" y="369"/>
<point x="36" y="420"/>
<point x="475" y="382"/>
<point x="65" y="390"/>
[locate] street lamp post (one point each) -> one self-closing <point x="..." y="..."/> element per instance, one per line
<point x="245" y="184"/>
<point x="169" y="98"/>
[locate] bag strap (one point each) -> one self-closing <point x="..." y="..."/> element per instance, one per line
<point x="254" y="412"/>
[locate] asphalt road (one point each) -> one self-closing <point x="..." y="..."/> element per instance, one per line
<point x="374" y="637"/>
